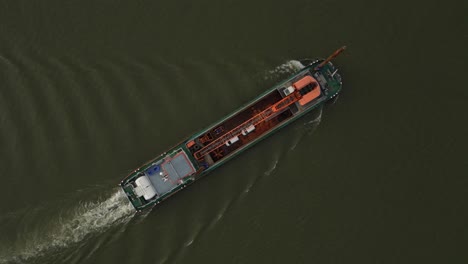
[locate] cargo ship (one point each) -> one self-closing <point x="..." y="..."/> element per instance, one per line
<point x="199" y="154"/>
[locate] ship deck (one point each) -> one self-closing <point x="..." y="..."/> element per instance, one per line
<point x="221" y="132"/>
<point x="194" y="157"/>
<point x="166" y="174"/>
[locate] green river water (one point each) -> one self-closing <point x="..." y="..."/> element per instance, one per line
<point x="90" y="90"/>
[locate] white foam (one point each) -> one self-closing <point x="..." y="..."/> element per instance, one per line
<point x="72" y="228"/>
<point x="316" y="120"/>
<point x="288" y="67"/>
<point x="189" y="242"/>
<point x="273" y="166"/>
<point x="248" y="188"/>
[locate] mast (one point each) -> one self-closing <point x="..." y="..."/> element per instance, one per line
<point x="331" y="57"/>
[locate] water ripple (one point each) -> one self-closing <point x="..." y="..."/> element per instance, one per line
<point x="71" y="228"/>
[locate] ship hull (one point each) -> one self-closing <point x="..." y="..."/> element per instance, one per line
<point x="210" y="148"/>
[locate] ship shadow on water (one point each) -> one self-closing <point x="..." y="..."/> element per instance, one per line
<point x="48" y="235"/>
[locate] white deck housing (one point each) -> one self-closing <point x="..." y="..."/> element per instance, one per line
<point x="144" y="188"/>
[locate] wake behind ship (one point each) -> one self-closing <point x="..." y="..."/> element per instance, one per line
<point x="199" y="154"/>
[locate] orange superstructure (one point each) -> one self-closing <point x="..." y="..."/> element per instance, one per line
<point x="308" y="82"/>
<point x="310" y="96"/>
